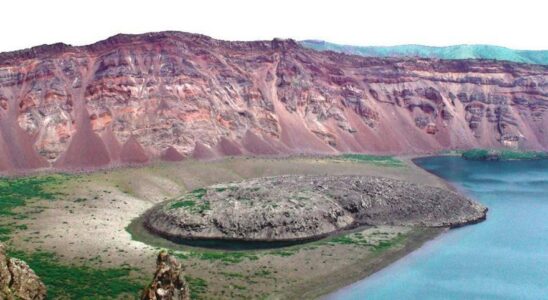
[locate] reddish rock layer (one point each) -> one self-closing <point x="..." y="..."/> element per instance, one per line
<point x="132" y="152"/>
<point x="171" y="154"/>
<point x="74" y="107"/>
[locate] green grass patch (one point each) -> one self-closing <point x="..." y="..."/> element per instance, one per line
<point x="226" y="257"/>
<point x="382" y="160"/>
<point x="198" y="208"/>
<point x="358" y="239"/>
<point x="344" y="240"/>
<point x="198" y="286"/>
<point x="79" y="282"/>
<point x="386" y="244"/>
<point x="284" y="252"/>
<point x="495" y="154"/>
<point x="476" y="154"/>
<point x="5" y="232"/>
<point x="15" y="192"/>
<point x="527" y="155"/>
<point x="193" y="202"/>
<point x="184" y="203"/>
<point x="199" y="193"/>
<point x="350" y="239"/>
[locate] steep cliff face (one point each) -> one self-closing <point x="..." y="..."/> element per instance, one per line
<point x="133" y="98"/>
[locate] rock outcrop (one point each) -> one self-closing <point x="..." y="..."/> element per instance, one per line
<point x="18" y="280"/>
<point x="292" y="208"/>
<point x="132" y="98"/>
<point x="168" y="282"/>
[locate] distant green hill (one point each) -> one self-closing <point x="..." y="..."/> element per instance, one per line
<point x="450" y="52"/>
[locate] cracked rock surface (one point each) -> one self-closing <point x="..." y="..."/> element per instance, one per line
<point x="18" y="280"/>
<point x="291" y="208"/>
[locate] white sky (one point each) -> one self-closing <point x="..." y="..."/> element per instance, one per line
<point x="518" y="24"/>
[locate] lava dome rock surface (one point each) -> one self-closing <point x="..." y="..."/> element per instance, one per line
<point x="293" y="208"/>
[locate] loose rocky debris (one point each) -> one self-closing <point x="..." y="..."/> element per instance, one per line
<point x="168" y="282"/>
<point x="18" y="280"/>
<point x="291" y="208"/>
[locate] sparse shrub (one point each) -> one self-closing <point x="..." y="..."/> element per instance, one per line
<point x="476" y="154"/>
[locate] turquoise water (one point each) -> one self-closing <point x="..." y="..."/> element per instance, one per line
<point x="505" y="257"/>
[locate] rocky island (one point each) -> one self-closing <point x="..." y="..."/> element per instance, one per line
<point x="298" y="207"/>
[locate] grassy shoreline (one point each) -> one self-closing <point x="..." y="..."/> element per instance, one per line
<point x="381" y="256"/>
<point x="80" y="221"/>
<point x="366" y="268"/>
<point x="502" y="154"/>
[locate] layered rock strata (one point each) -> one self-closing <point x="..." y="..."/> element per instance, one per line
<point x="169" y="95"/>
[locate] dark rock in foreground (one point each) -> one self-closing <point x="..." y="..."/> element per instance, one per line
<point x="168" y="282"/>
<point x="18" y="280"/>
<point x="307" y="207"/>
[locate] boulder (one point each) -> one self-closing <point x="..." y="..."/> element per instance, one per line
<point x="168" y="282"/>
<point x="18" y="280"/>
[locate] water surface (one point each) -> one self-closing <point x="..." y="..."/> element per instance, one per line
<point x="505" y="257"/>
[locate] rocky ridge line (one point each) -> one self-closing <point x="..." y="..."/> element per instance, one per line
<point x="133" y="98"/>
